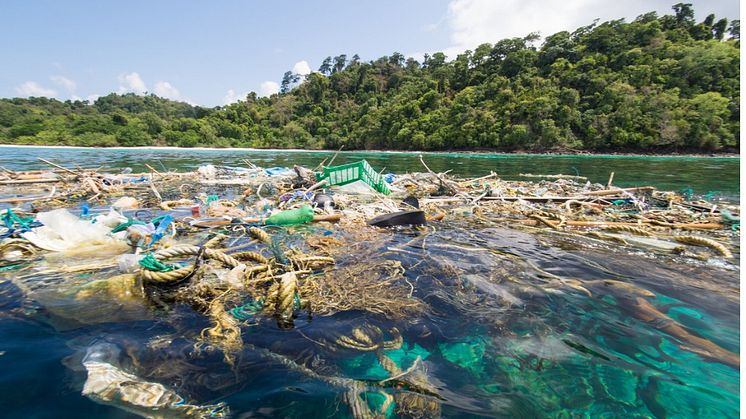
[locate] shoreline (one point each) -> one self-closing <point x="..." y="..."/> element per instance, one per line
<point x="415" y="152"/>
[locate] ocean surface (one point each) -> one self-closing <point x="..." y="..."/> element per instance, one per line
<point x="497" y="336"/>
<point x="715" y="175"/>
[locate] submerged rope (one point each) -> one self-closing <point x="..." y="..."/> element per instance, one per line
<point x="703" y="241"/>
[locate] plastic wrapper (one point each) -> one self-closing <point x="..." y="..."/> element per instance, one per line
<point x="109" y="384"/>
<point x="63" y="230"/>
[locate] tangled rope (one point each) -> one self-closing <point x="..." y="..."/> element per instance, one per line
<point x="175" y="251"/>
<point x="159" y="275"/>
<point x="287" y="292"/>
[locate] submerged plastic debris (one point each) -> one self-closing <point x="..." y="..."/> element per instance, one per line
<point x="234" y="264"/>
<point x="107" y="383"/>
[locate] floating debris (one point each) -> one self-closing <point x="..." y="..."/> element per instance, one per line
<point x="250" y="249"/>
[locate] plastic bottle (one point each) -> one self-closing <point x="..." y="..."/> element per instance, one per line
<point x="290" y="217"/>
<point x="160" y="231"/>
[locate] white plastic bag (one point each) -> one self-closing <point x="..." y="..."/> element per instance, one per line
<point x="111" y="219"/>
<point x="63" y="230"/>
<point x="208" y="171"/>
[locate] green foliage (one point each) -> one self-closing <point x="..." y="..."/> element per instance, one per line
<point x="654" y="84"/>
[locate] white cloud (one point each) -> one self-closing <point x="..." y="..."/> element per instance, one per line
<point x="32" y="88"/>
<point x="166" y="90"/>
<point x="131" y="83"/>
<point x="473" y="22"/>
<point x="90" y="98"/>
<point x="302" y="68"/>
<point x="269" y="88"/>
<point x="232" y="97"/>
<point x="67" y="84"/>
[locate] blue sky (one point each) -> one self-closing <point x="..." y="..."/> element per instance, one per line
<point x="210" y="53"/>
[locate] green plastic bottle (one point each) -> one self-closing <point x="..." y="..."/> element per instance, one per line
<point x="300" y="215"/>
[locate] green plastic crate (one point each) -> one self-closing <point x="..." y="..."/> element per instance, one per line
<point x="352" y="172"/>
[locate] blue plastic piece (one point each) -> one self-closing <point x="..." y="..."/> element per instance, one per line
<point x="160" y="231"/>
<point x="389" y="177"/>
<point x="275" y="171"/>
<point x="85" y="210"/>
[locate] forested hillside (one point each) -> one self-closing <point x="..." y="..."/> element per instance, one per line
<point x="658" y="83"/>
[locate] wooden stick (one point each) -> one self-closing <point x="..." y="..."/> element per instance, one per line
<point x="443" y="182"/>
<point x="611" y="179"/>
<point x="327" y="217"/>
<point x="464" y="182"/>
<point x="617" y="190"/>
<point x="484" y="194"/>
<point x="18" y="182"/>
<point x="426" y="168"/>
<point x="321" y="165"/>
<point x="57" y="166"/>
<point x="335" y="155"/>
<point x="317" y="185"/>
<point x="152" y="169"/>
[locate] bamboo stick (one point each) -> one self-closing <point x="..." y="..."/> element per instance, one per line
<point x="24" y="181"/>
<point x="617" y="190"/>
<point x="57" y="166"/>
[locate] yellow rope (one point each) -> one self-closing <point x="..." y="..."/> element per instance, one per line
<point x="251" y="256"/>
<point x="260" y="235"/>
<point x="287" y="290"/>
<point x="629" y="229"/>
<point x="702" y="241"/>
<point x="179" y="274"/>
<point x="166" y="277"/>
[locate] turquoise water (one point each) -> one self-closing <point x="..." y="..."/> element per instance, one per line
<point x="495" y="339"/>
<point x="718" y="175"/>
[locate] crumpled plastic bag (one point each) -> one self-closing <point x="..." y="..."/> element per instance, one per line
<point x="126" y="202"/>
<point x="111" y="219"/>
<point x="208" y="171"/>
<point x="355" y="188"/>
<point x="107" y="383"/>
<point x="62" y="231"/>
